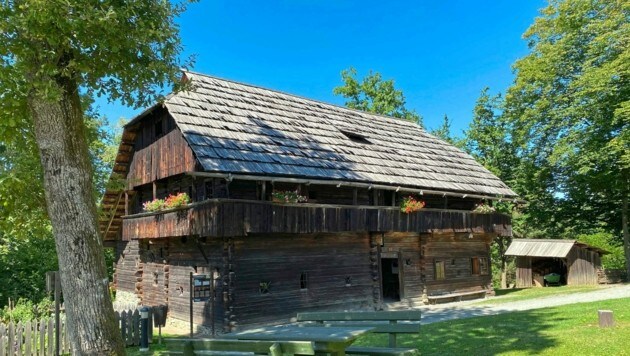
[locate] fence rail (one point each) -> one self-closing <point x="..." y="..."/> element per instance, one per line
<point x="37" y="337"/>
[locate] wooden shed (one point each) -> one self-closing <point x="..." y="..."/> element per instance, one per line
<point x="576" y="262"/>
<point x="346" y="244"/>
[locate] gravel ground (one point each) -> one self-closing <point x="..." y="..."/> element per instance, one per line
<point x="461" y="310"/>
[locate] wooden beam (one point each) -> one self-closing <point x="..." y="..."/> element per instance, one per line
<point x="350" y="184"/>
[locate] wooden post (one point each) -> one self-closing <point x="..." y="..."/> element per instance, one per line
<point x="126" y="203"/>
<point x="57" y="311"/>
<point x="605" y="318"/>
<point x="154" y="190"/>
<point x="355" y="199"/>
<point x="191" y="304"/>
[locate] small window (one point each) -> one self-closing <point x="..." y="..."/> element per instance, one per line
<point x="304" y="280"/>
<point x="355" y="137"/>
<point x="479" y="266"/>
<point x="264" y="287"/>
<point x="439" y="270"/>
<point x="155" y="279"/>
<point x="159" y="130"/>
<point x="348" y="281"/>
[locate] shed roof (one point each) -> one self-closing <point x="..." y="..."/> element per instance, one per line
<point x="242" y="129"/>
<point x="546" y="248"/>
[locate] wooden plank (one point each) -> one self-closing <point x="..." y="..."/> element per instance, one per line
<point x="378" y="328"/>
<point x="11" y="338"/>
<point x="410" y="315"/>
<point x="51" y="337"/>
<point x="381" y="351"/>
<point x="256" y="346"/>
<point x="3" y="341"/>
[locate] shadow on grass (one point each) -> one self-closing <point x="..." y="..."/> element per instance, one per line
<point x="490" y="335"/>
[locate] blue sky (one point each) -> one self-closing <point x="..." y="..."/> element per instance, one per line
<point x="440" y="53"/>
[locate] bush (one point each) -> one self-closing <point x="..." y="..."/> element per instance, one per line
<point x="26" y="310"/>
<point x="606" y="241"/>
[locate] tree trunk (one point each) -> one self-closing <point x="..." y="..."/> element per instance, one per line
<point x="626" y="233"/>
<point x="501" y="245"/>
<point x="60" y="135"/>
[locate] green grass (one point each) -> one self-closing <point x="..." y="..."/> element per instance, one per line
<point x="514" y="295"/>
<point x="566" y="330"/>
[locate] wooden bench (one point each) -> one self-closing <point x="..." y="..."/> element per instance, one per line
<point x="225" y="347"/>
<point x="458" y="296"/>
<point x="385" y="322"/>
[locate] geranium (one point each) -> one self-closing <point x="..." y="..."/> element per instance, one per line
<point x="484" y="209"/>
<point x="172" y="201"/>
<point x="410" y="204"/>
<point x="177" y="200"/>
<point x="153" y="205"/>
<point x="287" y="196"/>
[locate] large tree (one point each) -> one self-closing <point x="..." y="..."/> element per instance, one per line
<point x="569" y="112"/>
<point x="50" y="52"/>
<point x="373" y="94"/>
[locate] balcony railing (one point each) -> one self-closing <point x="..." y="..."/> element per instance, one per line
<point x="229" y="217"/>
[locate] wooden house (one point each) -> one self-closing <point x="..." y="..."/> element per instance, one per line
<point x="234" y="147"/>
<point x="577" y="263"/>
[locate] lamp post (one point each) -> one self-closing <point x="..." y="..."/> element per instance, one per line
<point x="144" y="329"/>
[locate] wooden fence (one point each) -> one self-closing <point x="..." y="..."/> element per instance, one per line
<point x="37" y="338"/>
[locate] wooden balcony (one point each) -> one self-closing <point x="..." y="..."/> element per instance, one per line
<point x="228" y="217"/>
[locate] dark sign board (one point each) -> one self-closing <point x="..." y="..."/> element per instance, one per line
<point x="202" y="287"/>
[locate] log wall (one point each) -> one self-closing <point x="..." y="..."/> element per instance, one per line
<point x="407" y="246"/>
<point x="456" y="250"/>
<point x="128" y="271"/>
<point x="185" y="256"/>
<point x="337" y="268"/>
<point x="155" y="271"/>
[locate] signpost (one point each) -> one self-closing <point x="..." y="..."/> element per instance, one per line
<point x="201" y="290"/>
<point x="53" y="284"/>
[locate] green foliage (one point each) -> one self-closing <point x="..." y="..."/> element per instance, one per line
<point x="444" y="132"/>
<point x="113" y="48"/>
<point x="608" y="242"/>
<point x="373" y="94"/>
<point x="488" y="138"/>
<point x="288" y="196"/>
<point x="25" y="310"/>
<point x="567" y="112"/>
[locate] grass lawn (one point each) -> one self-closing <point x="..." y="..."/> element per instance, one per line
<point x="566" y="330"/>
<point x="513" y="295"/>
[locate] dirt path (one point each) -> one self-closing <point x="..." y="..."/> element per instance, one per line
<point x="434" y="314"/>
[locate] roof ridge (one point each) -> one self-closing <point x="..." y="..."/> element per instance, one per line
<point x="397" y="120"/>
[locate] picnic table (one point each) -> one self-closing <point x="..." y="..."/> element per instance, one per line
<point x="331" y="340"/>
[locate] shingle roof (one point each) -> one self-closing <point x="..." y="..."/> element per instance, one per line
<point x="545" y="248"/>
<point x="242" y="129"/>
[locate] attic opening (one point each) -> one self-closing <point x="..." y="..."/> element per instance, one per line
<point x="355" y="137"/>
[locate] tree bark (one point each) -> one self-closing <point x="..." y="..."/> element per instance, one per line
<point x="60" y="135"/>
<point x="624" y="228"/>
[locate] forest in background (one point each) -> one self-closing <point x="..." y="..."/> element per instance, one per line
<point x="559" y="136"/>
